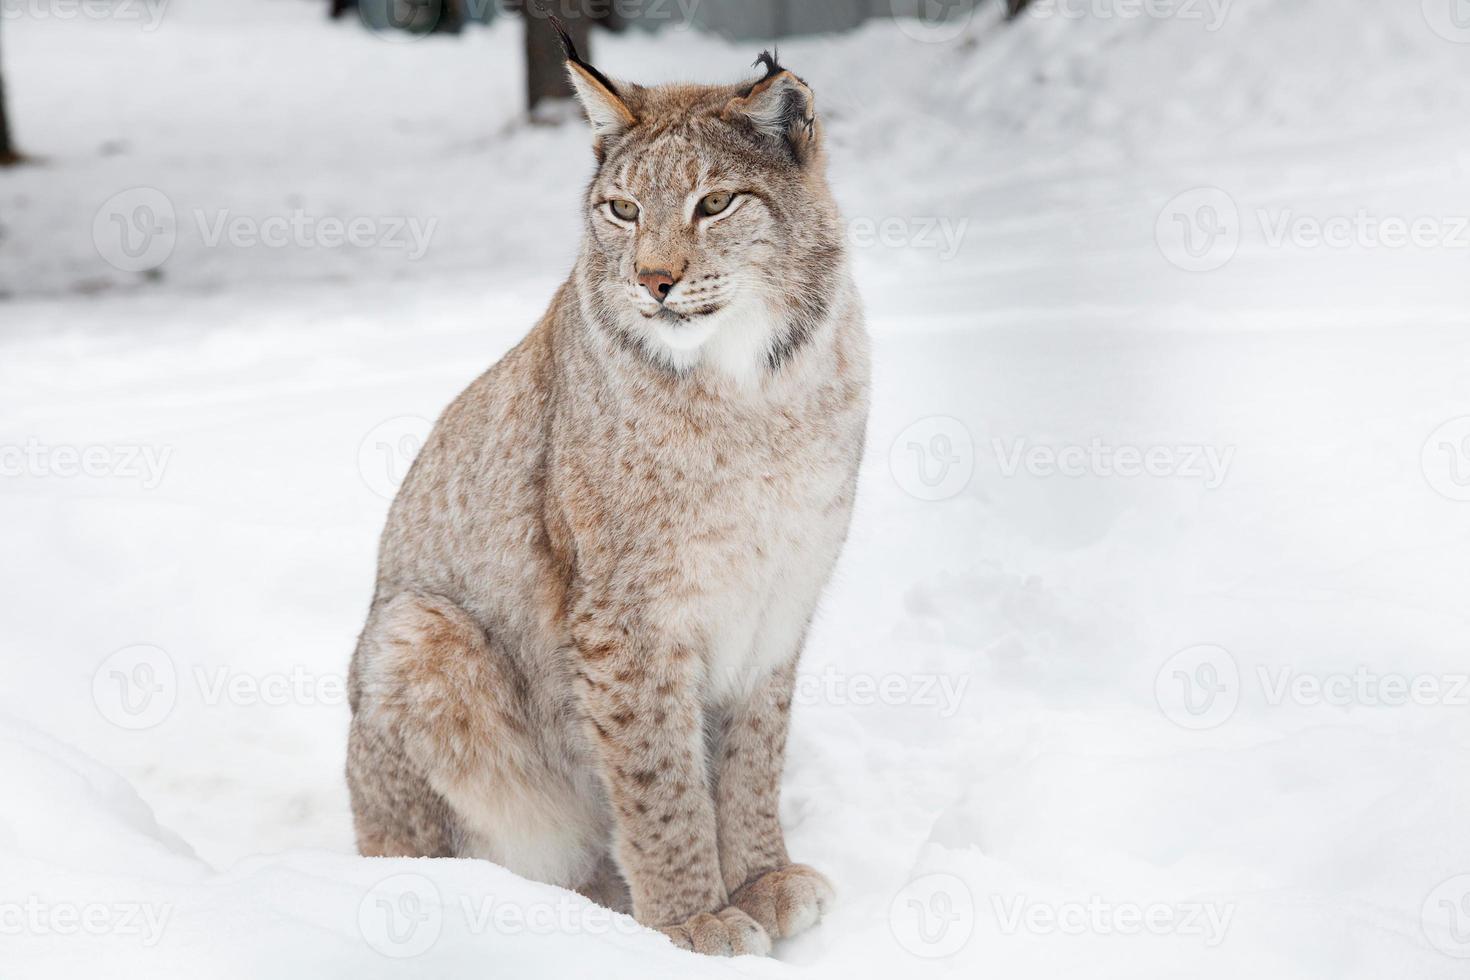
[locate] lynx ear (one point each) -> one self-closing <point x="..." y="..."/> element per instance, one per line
<point x="780" y="107"/>
<point x="605" y="108"/>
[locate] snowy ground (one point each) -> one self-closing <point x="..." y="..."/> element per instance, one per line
<point x="1207" y="719"/>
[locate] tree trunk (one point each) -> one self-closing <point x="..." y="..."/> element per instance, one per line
<point x="8" y="153"/>
<point x="546" y="75"/>
<point x="451" y="18"/>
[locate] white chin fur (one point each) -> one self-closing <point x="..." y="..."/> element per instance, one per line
<point x="732" y="342"/>
<point x="684" y="337"/>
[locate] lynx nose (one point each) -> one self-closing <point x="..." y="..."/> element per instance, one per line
<point x="658" y="282"/>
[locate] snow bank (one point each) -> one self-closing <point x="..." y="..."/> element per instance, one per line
<point x="93" y="885"/>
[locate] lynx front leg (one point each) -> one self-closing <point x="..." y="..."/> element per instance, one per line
<point x="784" y="898"/>
<point x="640" y="696"/>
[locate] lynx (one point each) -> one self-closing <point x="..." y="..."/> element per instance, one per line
<point x="596" y="580"/>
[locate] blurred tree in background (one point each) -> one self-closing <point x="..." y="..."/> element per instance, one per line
<point x="546" y="75"/>
<point x="546" y="83"/>
<point x="414" y="16"/>
<point x="8" y="152"/>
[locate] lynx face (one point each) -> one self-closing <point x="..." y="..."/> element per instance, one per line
<point x="711" y="237"/>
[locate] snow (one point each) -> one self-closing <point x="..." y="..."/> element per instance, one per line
<point x="993" y="754"/>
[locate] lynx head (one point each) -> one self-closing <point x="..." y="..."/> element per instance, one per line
<point x="711" y="236"/>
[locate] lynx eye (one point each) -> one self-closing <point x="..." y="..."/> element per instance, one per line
<point x="712" y="204"/>
<point x="626" y="210"/>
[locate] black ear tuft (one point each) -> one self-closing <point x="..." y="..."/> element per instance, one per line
<point x="778" y="106"/>
<point x="568" y="46"/>
<point x="771" y="63"/>
<point x="569" y="51"/>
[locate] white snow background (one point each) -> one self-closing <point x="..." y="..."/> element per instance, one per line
<point x="1147" y="654"/>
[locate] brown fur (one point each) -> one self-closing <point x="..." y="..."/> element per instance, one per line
<point x="594" y="584"/>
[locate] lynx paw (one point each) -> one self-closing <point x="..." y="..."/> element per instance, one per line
<point x="729" y="932"/>
<point x="786" y="901"/>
